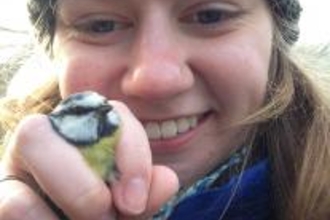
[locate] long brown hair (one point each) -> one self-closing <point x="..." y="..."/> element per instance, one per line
<point x="294" y="125"/>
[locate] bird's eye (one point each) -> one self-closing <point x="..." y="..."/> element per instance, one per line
<point x="78" y="110"/>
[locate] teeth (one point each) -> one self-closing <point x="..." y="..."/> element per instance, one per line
<point x="193" y="122"/>
<point x="183" y="125"/>
<point x="153" y="130"/>
<point x="170" y="128"/>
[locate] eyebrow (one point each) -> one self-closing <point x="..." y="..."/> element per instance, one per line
<point x="75" y="2"/>
<point x="89" y="0"/>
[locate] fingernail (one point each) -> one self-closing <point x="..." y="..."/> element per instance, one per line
<point x="135" y="195"/>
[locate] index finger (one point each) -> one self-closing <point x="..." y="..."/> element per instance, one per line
<point x="59" y="170"/>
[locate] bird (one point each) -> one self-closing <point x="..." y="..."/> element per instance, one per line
<point x="87" y="121"/>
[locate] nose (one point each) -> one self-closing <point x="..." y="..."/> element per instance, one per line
<point x="158" y="68"/>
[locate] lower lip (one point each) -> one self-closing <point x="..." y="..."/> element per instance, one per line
<point x="180" y="142"/>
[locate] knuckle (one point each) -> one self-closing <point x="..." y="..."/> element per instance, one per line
<point x="17" y="205"/>
<point x="29" y="128"/>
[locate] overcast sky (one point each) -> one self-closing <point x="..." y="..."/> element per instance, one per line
<point x="314" y="24"/>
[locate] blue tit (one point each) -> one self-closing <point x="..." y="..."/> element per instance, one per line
<point x="87" y="121"/>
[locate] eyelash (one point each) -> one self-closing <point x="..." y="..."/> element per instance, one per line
<point x="209" y="17"/>
<point x="100" y="28"/>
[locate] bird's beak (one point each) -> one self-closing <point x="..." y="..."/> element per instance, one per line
<point x="105" y="108"/>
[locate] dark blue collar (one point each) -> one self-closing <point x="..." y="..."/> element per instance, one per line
<point x="250" y="200"/>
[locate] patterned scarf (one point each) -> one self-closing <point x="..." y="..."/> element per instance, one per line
<point x="202" y="184"/>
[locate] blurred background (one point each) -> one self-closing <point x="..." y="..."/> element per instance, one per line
<point x="15" y="38"/>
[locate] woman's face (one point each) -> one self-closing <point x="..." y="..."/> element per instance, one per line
<point x="188" y="69"/>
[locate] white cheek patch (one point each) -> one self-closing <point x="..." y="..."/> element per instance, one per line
<point x="83" y="129"/>
<point x="113" y="117"/>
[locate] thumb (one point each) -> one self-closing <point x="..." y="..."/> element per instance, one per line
<point x="165" y="184"/>
<point x="163" y="187"/>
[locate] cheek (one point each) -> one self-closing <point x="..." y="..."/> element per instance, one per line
<point x="83" y="70"/>
<point x="237" y="74"/>
<point x="77" y="74"/>
<point x="247" y="77"/>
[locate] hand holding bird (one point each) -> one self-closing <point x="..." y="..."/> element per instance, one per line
<point x="42" y="160"/>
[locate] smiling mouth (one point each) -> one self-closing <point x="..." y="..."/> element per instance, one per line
<point x="168" y="129"/>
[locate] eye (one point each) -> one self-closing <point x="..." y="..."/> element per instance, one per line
<point x="79" y="110"/>
<point x="210" y="16"/>
<point x="100" y="29"/>
<point x="100" y="26"/>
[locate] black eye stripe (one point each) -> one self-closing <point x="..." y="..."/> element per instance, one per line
<point x="80" y="110"/>
<point x="77" y="110"/>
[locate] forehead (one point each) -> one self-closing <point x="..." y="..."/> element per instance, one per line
<point x="138" y="2"/>
<point x="66" y="7"/>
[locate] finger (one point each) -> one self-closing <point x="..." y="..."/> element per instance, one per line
<point x="165" y="184"/>
<point x="163" y="187"/>
<point x="60" y="170"/>
<point x="19" y="202"/>
<point x="133" y="160"/>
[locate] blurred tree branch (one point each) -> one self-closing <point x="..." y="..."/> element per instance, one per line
<point x="14" y="51"/>
<point x="13" y="31"/>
